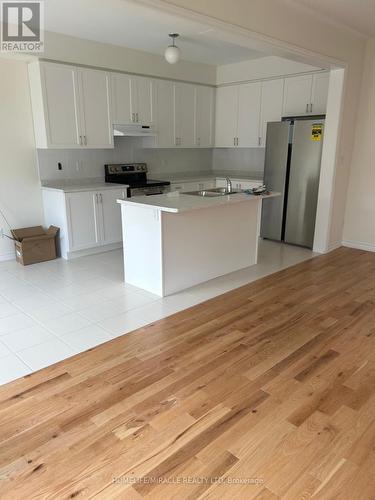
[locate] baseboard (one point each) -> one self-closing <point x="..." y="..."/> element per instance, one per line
<point x="7" y="256"/>
<point x="359" y="245"/>
<point x="93" y="251"/>
<point x="330" y="248"/>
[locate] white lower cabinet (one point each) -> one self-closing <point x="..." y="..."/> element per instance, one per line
<point x="94" y="218"/>
<point x="88" y="220"/>
<point x="110" y="216"/>
<point x="83" y="220"/>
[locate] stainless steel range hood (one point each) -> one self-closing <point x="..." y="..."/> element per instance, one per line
<point x="133" y="130"/>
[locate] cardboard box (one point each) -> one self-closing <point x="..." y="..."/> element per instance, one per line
<point x="35" y="244"/>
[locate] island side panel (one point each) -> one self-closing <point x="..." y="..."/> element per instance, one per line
<point x="200" y="245"/>
<point x="141" y="229"/>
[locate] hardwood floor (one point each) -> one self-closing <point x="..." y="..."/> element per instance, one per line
<point x="265" y="392"/>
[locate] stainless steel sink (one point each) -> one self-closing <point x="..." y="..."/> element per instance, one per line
<point x="222" y="191"/>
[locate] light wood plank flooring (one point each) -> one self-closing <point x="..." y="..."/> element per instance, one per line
<point x="265" y="392"/>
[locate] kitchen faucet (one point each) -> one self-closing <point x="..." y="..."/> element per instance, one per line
<point x="229" y="184"/>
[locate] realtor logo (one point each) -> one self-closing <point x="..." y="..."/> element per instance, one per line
<point x="22" y="26"/>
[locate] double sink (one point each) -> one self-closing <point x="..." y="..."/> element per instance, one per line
<point x="221" y="191"/>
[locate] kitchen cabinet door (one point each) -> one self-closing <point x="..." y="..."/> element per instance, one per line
<point x="122" y="108"/>
<point x="226" y="117"/>
<point x="319" y="93"/>
<point x="183" y="106"/>
<point x="164" y="114"/>
<point x="271" y="105"/>
<point x="83" y="220"/>
<point x="204" y="115"/>
<point x="95" y="109"/>
<point x="248" y="133"/>
<point x="142" y="100"/>
<point x="60" y="95"/>
<point x="297" y="95"/>
<point x="110" y="214"/>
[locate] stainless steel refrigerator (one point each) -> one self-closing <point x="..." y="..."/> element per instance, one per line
<point x="292" y="167"/>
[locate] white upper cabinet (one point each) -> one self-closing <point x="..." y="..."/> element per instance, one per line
<point x="54" y="97"/>
<point x="319" y="93"/>
<point x="297" y="95"/>
<point x="204" y="116"/>
<point x="75" y="107"/>
<point x="71" y="106"/>
<point x="271" y="105"/>
<point x="121" y="99"/>
<point x="226" y="118"/>
<point x="95" y="109"/>
<point x="237" y="115"/>
<point x="142" y="97"/>
<point x="306" y="94"/>
<point x="183" y="106"/>
<point x="164" y="114"/>
<point x="248" y="115"/>
<point x="132" y="99"/>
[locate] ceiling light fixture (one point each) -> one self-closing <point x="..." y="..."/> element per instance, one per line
<point x="172" y="52"/>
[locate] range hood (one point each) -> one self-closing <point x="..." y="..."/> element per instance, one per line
<point x="133" y="129"/>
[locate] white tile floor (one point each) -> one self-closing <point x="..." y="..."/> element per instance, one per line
<point x="56" y="309"/>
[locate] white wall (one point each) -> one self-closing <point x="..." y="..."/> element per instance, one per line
<point x="249" y="160"/>
<point x="20" y="197"/>
<point x="76" y="50"/>
<point x="359" y="229"/>
<point x="303" y="35"/>
<point x="264" y="67"/>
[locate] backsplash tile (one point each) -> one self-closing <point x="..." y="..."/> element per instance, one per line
<point x="80" y="163"/>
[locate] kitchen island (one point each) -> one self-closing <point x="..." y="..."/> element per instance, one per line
<point x="174" y="241"/>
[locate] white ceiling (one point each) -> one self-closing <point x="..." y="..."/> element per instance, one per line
<point x="124" y="23"/>
<point x="358" y="15"/>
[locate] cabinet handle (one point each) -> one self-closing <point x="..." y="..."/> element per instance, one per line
<point x="101" y="198"/>
<point x="311" y="107"/>
<point x="80" y="140"/>
<point x="307" y="108"/>
<point x="259" y="141"/>
<point x="96" y="198"/>
<point x="85" y="140"/>
<point x="137" y="118"/>
<point x="237" y="141"/>
<point x="133" y="117"/>
<point x="234" y="141"/>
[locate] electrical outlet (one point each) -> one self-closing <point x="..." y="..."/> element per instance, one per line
<point x="59" y="166"/>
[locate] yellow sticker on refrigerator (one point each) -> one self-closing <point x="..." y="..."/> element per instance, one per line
<point x="316" y="132"/>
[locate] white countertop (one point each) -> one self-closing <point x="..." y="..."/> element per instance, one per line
<point x="73" y="186"/>
<point x="176" y="202"/>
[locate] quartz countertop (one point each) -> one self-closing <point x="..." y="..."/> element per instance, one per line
<point x="97" y="184"/>
<point x="176" y="202"/>
<point x="77" y="185"/>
